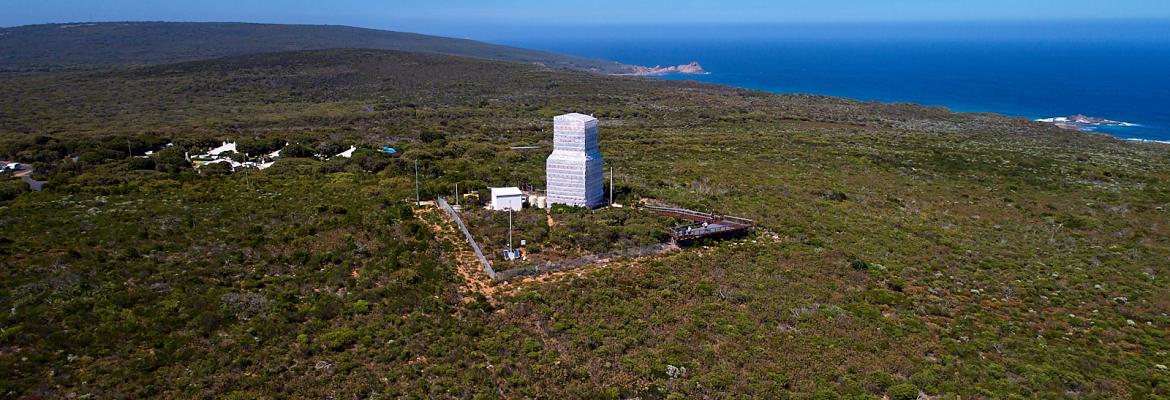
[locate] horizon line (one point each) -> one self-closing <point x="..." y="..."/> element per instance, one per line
<point x="1073" y="20"/>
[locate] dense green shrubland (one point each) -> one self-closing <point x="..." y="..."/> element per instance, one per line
<point x="900" y="249"/>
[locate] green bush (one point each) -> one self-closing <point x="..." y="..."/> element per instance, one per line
<point x="139" y="163"/>
<point x="297" y="150"/>
<point x="339" y="338"/>
<point x="11" y="188"/>
<point x="216" y="169"/>
<point x="361" y="307"/>
<point x="172" y="160"/>
<point x="904" y="391"/>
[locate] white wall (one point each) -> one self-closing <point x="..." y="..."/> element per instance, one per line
<point x="574" y="171"/>
<point x="515" y="202"/>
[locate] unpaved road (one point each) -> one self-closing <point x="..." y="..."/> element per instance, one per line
<point x="26" y="176"/>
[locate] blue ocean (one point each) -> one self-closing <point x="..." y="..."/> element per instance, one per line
<point x="1031" y="76"/>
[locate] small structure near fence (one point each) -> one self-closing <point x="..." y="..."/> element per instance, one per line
<point x="703" y="225"/>
<point x="507" y="198"/>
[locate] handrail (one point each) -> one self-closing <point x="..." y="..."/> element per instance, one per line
<point x="691" y="213"/>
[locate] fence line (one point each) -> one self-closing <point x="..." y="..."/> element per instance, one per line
<point x="487" y="267"/>
<point x="549" y="266"/>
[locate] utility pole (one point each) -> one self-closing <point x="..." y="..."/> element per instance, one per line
<point x="129" y="153"/>
<point x="611" y="186"/>
<point x="247" y="175"/>
<point x="417" y="200"/>
<point x="511" y="253"/>
<point x="456" y="193"/>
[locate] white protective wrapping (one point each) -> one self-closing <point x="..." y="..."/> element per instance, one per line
<point x="574" y="169"/>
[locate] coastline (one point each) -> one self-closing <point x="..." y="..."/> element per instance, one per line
<point x="1086" y="124"/>
<point x="1007" y="78"/>
<point x="692" y="68"/>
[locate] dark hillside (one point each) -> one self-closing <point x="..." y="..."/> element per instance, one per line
<point x="364" y="86"/>
<point x="88" y="45"/>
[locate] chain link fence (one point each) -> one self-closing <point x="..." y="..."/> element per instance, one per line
<point x="487" y="267"/>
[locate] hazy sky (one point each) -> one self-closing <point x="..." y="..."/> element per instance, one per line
<point x="461" y="16"/>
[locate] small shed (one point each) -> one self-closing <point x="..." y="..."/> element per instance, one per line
<point x="505" y="198"/>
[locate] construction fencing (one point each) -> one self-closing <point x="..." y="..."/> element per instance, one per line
<point x="487" y="267"/>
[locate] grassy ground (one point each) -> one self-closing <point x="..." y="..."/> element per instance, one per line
<point x="1017" y="272"/>
<point x="576" y="232"/>
<point x="900" y="248"/>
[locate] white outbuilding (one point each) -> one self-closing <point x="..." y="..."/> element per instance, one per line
<point x="504" y="198"/>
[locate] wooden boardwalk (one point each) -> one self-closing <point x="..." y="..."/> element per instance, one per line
<point x="702" y="225"/>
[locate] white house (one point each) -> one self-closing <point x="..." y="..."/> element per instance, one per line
<point x="504" y="198"/>
<point x="347" y="153"/>
<point x="225" y="148"/>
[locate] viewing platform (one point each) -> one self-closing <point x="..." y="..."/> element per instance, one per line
<point x="703" y="225"/>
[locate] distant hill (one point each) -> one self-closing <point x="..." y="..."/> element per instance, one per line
<point x="89" y="45"/>
<point x="274" y="86"/>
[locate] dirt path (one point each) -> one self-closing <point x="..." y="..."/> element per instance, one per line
<point x="474" y="280"/>
<point x="26" y="176"/>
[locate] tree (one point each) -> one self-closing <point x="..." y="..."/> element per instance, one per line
<point x="257" y="147"/>
<point x="98" y="156"/>
<point x="139" y="163"/>
<point x="329" y="148"/>
<point x="219" y="168"/>
<point x="370" y="161"/>
<point x="428" y="136"/>
<point x="172" y="160"/>
<point x="296" y="150"/>
<point x="12" y="188"/>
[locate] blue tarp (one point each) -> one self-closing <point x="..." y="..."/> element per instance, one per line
<point x="389" y="150"/>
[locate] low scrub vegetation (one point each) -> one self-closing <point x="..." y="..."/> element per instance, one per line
<point x="900" y="249"/>
<point x="575" y="232"/>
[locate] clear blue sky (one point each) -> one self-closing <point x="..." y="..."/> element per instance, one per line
<point x="467" y="16"/>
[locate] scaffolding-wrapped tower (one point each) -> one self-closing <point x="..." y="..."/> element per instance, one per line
<point x="574" y="170"/>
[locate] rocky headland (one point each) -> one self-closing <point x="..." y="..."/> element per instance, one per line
<point x="692" y="68"/>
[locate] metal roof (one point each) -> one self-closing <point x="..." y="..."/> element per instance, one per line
<point x="574" y="117"/>
<point x="506" y="191"/>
